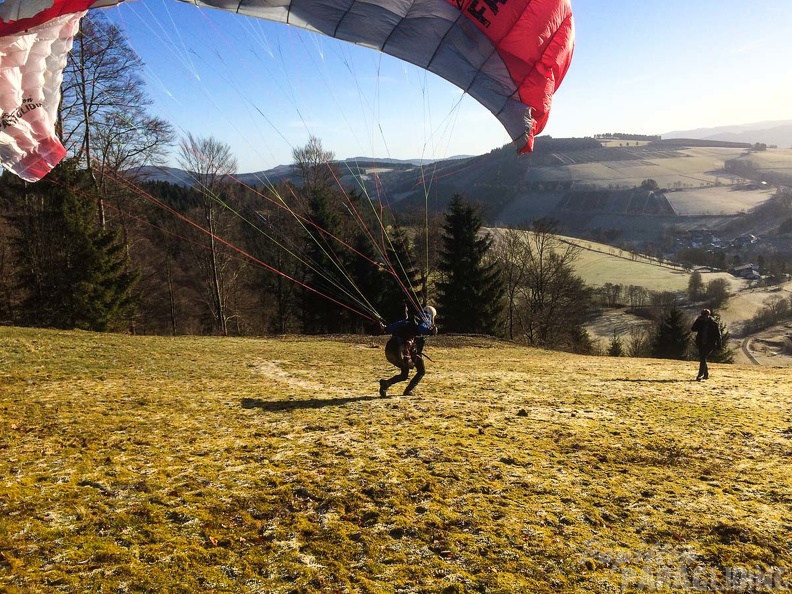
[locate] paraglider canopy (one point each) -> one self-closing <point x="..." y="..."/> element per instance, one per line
<point x="509" y="55"/>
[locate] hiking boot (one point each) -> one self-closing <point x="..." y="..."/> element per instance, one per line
<point x="383" y="391"/>
<point x="407" y="392"/>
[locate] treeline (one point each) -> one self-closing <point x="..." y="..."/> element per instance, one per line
<point x="221" y="258"/>
<point x="90" y="247"/>
<point x="224" y="259"/>
<point x="624" y="136"/>
<point x="668" y="336"/>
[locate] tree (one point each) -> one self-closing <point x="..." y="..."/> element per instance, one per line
<point x="405" y="276"/>
<point x="615" y="347"/>
<point x="103" y="115"/>
<point x="275" y="294"/>
<point x="211" y="164"/>
<point x="639" y="342"/>
<point x="470" y="290"/>
<point x="7" y="293"/>
<point x="610" y="294"/>
<point x="71" y="274"/>
<point x="553" y="299"/>
<point x="649" y="184"/>
<point x="717" y="292"/>
<point x="723" y="354"/>
<point x="314" y="164"/>
<point x="695" y="288"/>
<point x="671" y="336"/>
<point x="512" y="250"/>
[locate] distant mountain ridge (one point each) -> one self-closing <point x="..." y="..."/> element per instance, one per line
<point x="283" y="173"/>
<point x="778" y="133"/>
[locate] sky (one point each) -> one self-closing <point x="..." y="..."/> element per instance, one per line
<point x="640" y="66"/>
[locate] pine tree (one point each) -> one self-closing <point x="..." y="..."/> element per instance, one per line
<point x="72" y="273"/>
<point x="470" y="292"/>
<point x="321" y="312"/>
<point x="671" y="337"/>
<point x="616" y="347"/>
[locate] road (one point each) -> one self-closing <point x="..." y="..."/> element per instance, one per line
<point x="744" y="346"/>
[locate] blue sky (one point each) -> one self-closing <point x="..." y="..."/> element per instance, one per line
<point x="641" y="66"/>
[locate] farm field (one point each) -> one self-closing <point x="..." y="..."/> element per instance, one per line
<point x="699" y="166"/>
<point x="241" y="465"/>
<point x="600" y="263"/>
<point x="720" y="200"/>
<point x="779" y="160"/>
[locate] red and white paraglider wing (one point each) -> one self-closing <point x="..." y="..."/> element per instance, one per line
<point x="509" y="55"/>
<point x="35" y="39"/>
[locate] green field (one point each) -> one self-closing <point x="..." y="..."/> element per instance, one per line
<point x="151" y="464"/>
<point x="599" y="263"/>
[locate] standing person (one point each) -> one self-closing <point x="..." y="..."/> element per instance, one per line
<point x="708" y="338"/>
<point x="405" y="348"/>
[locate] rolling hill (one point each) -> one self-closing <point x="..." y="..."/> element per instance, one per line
<point x="584" y="183"/>
<point x="591" y="186"/>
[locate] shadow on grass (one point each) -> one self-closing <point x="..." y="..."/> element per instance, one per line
<point x="652" y="381"/>
<point x="278" y="405"/>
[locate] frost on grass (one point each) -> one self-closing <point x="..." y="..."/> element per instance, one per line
<point x="231" y="465"/>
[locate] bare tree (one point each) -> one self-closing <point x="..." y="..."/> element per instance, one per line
<point x="103" y="115"/>
<point x="211" y="164"/>
<point x="6" y="270"/>
<point x="513" y="252"/>
<point x="315" y="165"/>
<point x="554" y="299"/>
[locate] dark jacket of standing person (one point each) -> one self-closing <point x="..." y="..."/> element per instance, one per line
<point x="708" y="339"/>
<point x="405" y="348"/>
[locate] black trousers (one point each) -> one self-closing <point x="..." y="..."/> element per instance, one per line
<point x="420" y="371"/>
<point x="704" y="352"/>
<point x="394" y="352"/>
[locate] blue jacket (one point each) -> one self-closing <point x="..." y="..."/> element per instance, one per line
<point x="407" y="328"/>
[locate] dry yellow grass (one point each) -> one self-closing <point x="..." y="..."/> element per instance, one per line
<point x="143" y="464"/>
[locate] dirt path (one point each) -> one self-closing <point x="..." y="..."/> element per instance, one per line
<point x="744" y="346"/>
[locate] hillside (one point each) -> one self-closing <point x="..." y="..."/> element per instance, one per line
<point x="230" y="465"/>
<point x="590" y="185"/>
<point x="598" y="264"/>
<point x="587" y="184"/>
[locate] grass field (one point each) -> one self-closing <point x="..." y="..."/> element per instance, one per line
<point x="151" y="464"/>
<point x="779" y="160"/>
<point x="699" y="167"/>
<point x="598" y="263"/>
<point x="721" y="200"/>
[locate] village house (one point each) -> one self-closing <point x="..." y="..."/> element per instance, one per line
<point x="746" y="271"/>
